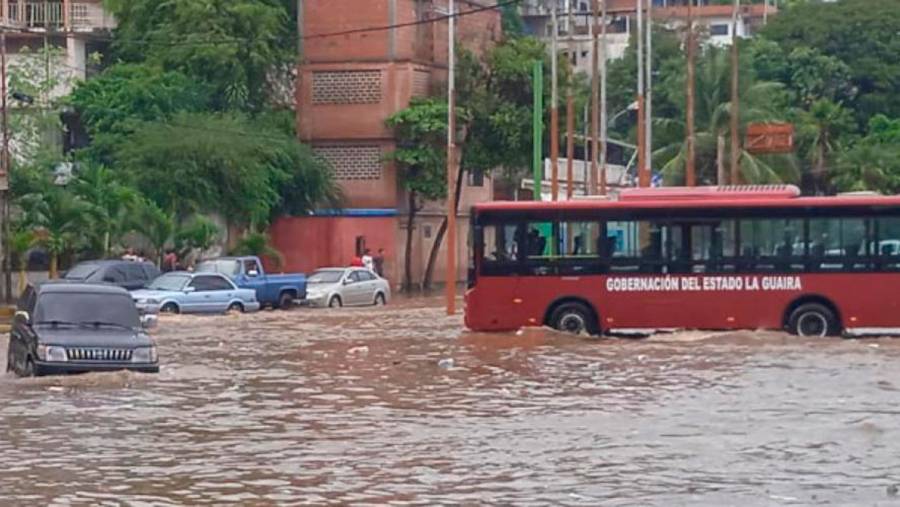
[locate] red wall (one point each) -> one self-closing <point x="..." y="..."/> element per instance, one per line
<point x="309" y="243"/>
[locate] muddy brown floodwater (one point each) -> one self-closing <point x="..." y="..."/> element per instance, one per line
<point x="400" y="406"/>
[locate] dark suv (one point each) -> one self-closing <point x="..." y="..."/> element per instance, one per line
<point x="65" y="327"/>
<point x="129" y="275"/>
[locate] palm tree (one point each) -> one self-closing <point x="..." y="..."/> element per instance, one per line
<point x="819" y="127"/>
<point x="156" y="225"/>
<point x="20" y="243"/>
<point x="109" y="203"/>
<point x="712" y="116"/>
<point x="199" y="233"/>
<point x="258" y="244"/>
<point x="59" y="220"/>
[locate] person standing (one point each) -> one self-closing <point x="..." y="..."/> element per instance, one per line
<point x="367" y="260"/>
<point x="379" y="263"/>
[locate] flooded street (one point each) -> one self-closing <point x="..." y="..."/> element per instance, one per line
<point x="400" y="406"/>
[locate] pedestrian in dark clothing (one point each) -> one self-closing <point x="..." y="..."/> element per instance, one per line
<point x="379" y="262"/>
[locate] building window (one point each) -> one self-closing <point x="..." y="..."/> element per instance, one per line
<point x="718" y="30"/>
<point x="352" y="162"/>
<point x="346" y="87"/>
<point x="475" y="178"/>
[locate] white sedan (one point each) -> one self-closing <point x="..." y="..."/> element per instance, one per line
<point x="336" y="287"/>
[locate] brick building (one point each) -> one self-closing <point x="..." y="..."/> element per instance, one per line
<point x="349" y="85"/>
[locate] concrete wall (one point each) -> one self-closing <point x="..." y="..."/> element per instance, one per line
<point x="309" y="243"/>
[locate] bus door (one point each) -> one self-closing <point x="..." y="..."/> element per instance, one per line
<point x="501" y="252"/>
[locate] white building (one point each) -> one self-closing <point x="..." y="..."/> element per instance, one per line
<point x="714" y="21"/>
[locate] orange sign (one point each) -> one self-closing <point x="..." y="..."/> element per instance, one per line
<point x="764" y="138"/>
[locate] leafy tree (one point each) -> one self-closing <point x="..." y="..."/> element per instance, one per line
<point x="873" y="162"/>
<point x="860" y="33"/>
<point x="58" y="218"/>
<point x="807" y="74"/>
<point x="108" y="202"/>
<point x="232" y="46"/>
<point x="511" y="20"/>
<point x="227" y="164"/>
<point x="113" y="104"/>
<point x="421" y="129"/>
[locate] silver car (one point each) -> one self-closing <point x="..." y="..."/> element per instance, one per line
<point x="336" y="287"/>
<point x="183" y="292"/>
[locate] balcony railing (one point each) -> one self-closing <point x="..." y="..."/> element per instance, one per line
<point x="47" y="15"/>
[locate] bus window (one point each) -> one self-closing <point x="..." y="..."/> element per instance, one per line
<point x="887" y="248"/>
<point x="500" y="252"/>
<point x="713" y="247"/>
<point x="772" y="245"/>
<point x="634" y="246"/>
<point x="578" y="248"/>
<point x="536" y="243"/>
<point x="837" y="244"/>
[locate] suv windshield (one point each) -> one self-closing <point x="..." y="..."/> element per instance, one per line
<point x="82" y="271"/>
<point x="326" y="276"/>
<point x="228" y="267"/>
<point x="86" y="308"/>
<point x="169" y="282"/>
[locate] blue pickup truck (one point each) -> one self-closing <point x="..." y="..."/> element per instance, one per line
<point x="277" y="291"/>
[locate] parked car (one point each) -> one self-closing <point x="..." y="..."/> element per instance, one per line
<point x="183" y="292"/>
<point x="66" y="327"/>
<point x="129" y="275"/>
<point x="277" y="291"/>
<point x="335" y="287"/>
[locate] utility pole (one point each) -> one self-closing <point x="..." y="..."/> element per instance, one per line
<point x="450" y="279"/>
<point x="4" y="176"/>
<point x="554" y="107"/>
<point x="643" y="180"/>
<point x="690" y="173"/>
<point x="603" y="122"/>
<point x="570" y="113"/>
<point x="595" y="106"/>
<point x="537" y="84"/>
<point x="648" y="114"/>
<point x="735" y="99"/>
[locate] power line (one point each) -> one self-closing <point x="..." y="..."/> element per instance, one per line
<point x="457" y="15"/>
<point x="238" y="40"/>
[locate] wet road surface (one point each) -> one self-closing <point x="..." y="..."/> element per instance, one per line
<point x="399" y="406"/>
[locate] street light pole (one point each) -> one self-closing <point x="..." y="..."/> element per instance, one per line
<point x="735" y="99"/>
<point x="450" y="279"/>
<point x="648" y="113"/>
<point x="603" y="122"/>
<point x="554" y="108"/>
<point x="4" y="176"/>
<point x="595" y="106"/>
<point x="690" y="174"/>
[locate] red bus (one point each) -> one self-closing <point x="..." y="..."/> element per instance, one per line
<point x="676" y="258"/>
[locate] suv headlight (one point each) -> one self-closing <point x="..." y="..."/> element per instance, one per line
<point x="52" y="354"/>
<point x="144" y="355"/>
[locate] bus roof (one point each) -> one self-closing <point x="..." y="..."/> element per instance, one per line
<point x="775" y="196"/>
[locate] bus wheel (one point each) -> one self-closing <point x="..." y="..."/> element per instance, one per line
<point x="813" y="319"/>
<point x="574" y="318"/>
